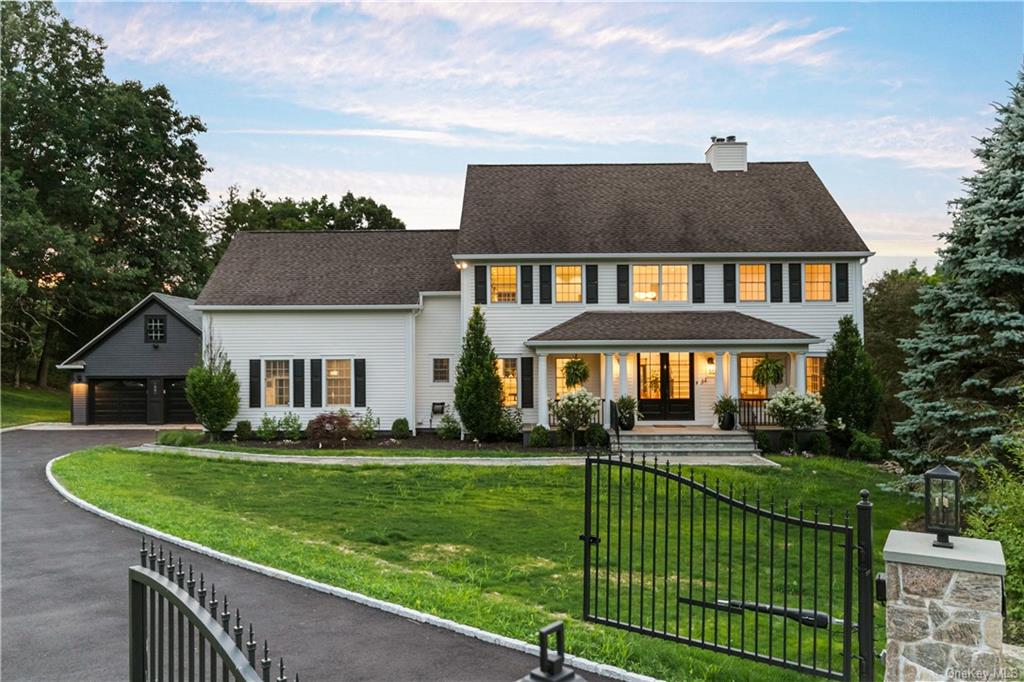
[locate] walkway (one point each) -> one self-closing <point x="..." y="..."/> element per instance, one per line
<point x="64" y="610"/>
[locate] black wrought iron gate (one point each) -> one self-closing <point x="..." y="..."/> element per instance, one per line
<point x="670" y="556"/>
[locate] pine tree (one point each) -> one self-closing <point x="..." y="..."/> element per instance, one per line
<point x="477" y="386"/>
<point x="852" y="390"/>
<point x="965" y="362"/>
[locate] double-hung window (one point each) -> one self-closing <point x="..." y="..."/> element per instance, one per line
<point x="569" y="284"/>
<point x="156" y="328"/>
<point x="277" y="384"/>
<point x="752" y="282"/>
<point x="442" y="370"/>
<point x="503" y="283"/>
<point x="653" y="283"/>
<point x="338" y="382"/>
<point x="509" y="375"/>
<point x="817" y="281"/>
<point x="815" y="373"/>
<point x="748" y="387"/>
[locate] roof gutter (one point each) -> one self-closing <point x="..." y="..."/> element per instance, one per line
<point x="541" y="343"/>
<point x="302" y="308"/>
<point x="703" y="255"/>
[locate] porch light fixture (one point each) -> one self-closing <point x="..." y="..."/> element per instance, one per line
<point x="942" y="504"/>
<point x="709" y="368"/>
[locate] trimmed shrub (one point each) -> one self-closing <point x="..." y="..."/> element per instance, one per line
<point x="180" y="437"/>
<point x="329" y="427"/>
<point x="574" y="411"/>
<point x="540" y="437"/>
<point x="291" y="426"/>
<point x="212" y="389"/>
<point x="400" y="428"/>
<point x="596" y="437"/>
<point x="243" y="430"/>
<point x="819" y="443"/>
<point x="763" y="441"/>
<point x="510" y="426"/>
<point x="366" y="426"/>
<point x="449" y="427"/>
<point x="796" y="412"/>
<point x="865" y="446"/>
<point x="268" y="428"/>
<point x="477" y="385"/>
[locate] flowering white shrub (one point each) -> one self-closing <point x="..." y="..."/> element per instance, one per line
<point x="796" y="412"/>
<point x="574" y="410"/>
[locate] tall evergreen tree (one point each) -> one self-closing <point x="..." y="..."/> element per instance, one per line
<point x="852" y="391"/>
<point x="477" y="386"/>
<point x="964" y="365"/>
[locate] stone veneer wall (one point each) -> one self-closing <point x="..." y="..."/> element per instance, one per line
<point x="943" y="624"/>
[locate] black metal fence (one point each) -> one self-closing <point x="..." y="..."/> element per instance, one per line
<point x="754" y="412"/>
<point x="179" y="632"/>
<point x="670" y="556"/>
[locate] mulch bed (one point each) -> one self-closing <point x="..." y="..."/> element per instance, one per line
<point x="424" y="441"/>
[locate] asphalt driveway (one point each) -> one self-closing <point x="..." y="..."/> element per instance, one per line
<point x="64" y="595"/>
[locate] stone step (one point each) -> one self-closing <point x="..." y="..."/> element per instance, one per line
<point x="688" y="453"/>
<point x="684" y="439"/>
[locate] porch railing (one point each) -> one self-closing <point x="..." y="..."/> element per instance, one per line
<point x="754" y="412"/>
<point x="596" y="417"/>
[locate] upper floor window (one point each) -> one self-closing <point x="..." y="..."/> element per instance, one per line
<point x="508" y="373"/>
<point x="815" y="374"/>
<point x="338" y="380"/>
<point x="752" y="287"/>
<point x="156" y="328"/>
<point x="503" y="284"/>
<point x="276" y="383"/>
<point x="442" y="368"/>
<point x="568" y="283"/>
<point x="748" y="387"/>
<point x="660" y="283"/>
<point x="818" y="282"/>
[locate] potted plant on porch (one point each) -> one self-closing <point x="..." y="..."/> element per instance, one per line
<point x="768" y="372"/>
<point x="725" y="408"/>
<point x="628" y="412"/>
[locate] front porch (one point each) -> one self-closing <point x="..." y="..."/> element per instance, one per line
<point x="678" y="378"/>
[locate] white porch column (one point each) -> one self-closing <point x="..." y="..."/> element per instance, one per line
<point x="719" y="374"/>
<point x="542" y="389"/>
<point x="734" y="374"/>
<point x="801" y="373"/>
<point x="608" y="390"/>
<point x="623" y="366"/>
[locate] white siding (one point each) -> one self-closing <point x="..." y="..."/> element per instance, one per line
<point x="438" y="334"/>
<point x="383" y="338"/>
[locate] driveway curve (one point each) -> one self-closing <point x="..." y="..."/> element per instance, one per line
<point x="64" y="595"/>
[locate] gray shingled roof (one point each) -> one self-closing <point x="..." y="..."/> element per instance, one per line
<point x="685" y="325"/>
<point x="359" y="267"/>
<point x="181" y="306"/>
<point x="651" y="208"/>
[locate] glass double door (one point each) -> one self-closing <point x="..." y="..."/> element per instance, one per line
<point x="665" y="386"/>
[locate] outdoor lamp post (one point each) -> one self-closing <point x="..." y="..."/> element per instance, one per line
<point x="942" y="504"/>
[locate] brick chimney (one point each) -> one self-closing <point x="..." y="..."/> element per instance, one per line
<point x="726" y="154"/>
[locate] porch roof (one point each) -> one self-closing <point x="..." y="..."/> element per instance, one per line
<point x="670" y="327"/>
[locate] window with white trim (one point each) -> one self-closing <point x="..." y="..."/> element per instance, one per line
<point x="752" y="282"/>
<point x="503" y="283"/>
<point x="815" y="365"/>
<point x="338" y="382"/>
<point x="569" y="284"/>
<point x="653" y="283"/>
<point x="442" y="370"/>
<point x="508" y="372"/>
<point x="817" y="281"/>
<point x="277" y="383"/>
<point x="156" y="328"/>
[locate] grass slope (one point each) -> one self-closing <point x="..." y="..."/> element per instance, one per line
<point x="27" y="405"/>
<point x="396" y="451"/>
<point x="492" y="547"/>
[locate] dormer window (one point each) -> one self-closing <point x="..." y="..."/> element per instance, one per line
<point x="156" y="328"/>
<point x="669" y="283"/>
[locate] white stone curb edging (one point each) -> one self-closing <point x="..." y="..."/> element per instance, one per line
<point x="583" y="664"/>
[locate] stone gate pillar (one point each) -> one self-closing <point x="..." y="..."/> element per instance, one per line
<point x="943" y="615"/>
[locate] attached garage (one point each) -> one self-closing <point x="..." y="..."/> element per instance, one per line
<point x="134" y="371"/>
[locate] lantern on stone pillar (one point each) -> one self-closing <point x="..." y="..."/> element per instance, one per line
<point x="942" y="504"/>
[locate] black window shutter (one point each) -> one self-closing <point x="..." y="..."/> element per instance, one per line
<point x="299" y="383"/>
<point x="795" y="283"/>
<point x="842" y="282"/>
<point x="591" y="271"/>
<point x="775" y="279"/>
<point x="315" y="384"/>
<point x="254" y="383"/>
<point x="729" y="282"/>
<point x="480" y="280"/>
<point x="545" y="284"/>
<point x="360" y="377"/>
<point x="698" y="283"/>
<point x="526" y="382"/>
<point x="526" y="284"/>
<point x="622" y="283"/>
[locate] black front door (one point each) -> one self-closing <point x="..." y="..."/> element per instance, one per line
<point x="665" y="385"/>
<point x="155" y="401"/>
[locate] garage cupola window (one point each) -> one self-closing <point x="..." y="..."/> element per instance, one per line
<point x="156" y="328"/>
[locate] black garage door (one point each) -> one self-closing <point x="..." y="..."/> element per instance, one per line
<point x="118" y="401"/>
<point x="176" y="407"/>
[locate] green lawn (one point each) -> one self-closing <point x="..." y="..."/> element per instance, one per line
<point x="396" y="451"/>
<point x="492" y="547"/>
<point x="27" y="405"/>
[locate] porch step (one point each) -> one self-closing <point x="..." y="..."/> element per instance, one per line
<point x="724" y="444"/>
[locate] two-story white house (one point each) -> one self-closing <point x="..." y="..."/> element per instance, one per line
<point x="671" y="280"/>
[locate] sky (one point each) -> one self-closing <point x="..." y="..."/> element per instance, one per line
<point x="394" y="100"/>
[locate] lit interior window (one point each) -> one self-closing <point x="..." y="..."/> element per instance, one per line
<point x="748" y="387"/>
<point x="277" y="383"/>
<point x="645" y="283"/>
<point x="509" y="382"/>
<point x="503" y="284"/>
<point x="569" y="283"/>
<point x="339" y="382"/>
<point x="752" y="282"/>
<point x="815" y="374"/>
<point x="673" y="282"/>
<point x="679" y="375"/>
<point x="818" y="282"/>
<point x="650" y="376"/>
